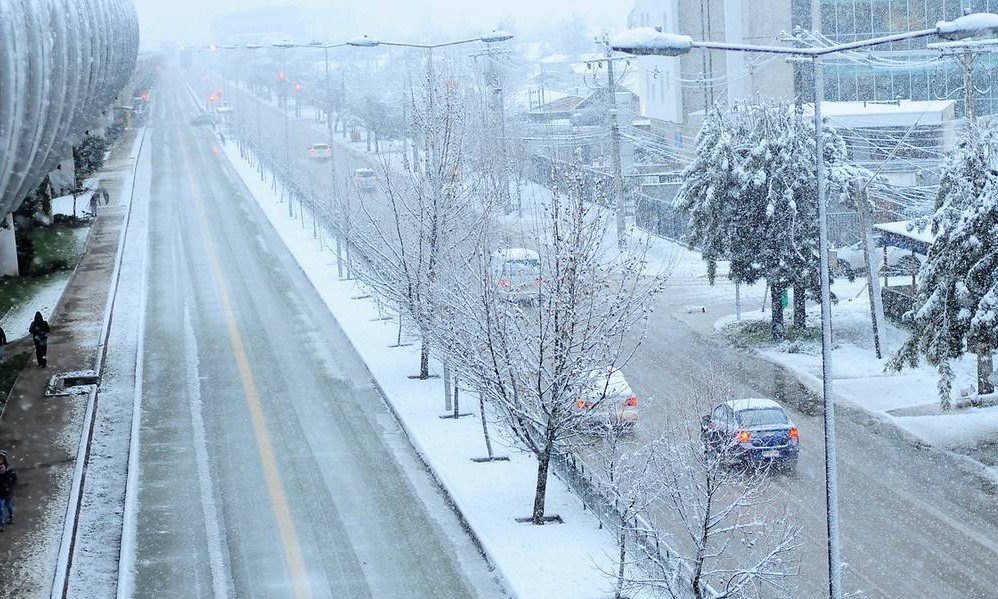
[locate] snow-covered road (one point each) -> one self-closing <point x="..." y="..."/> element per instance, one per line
<point x="269" y="465"/>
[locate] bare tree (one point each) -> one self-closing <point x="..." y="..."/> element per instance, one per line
<point x="426" y="215"/>
<point x="533" y="362"/>
<point x="735" y="538"/>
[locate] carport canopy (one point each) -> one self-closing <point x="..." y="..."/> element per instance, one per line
<point x="906" y="234"/>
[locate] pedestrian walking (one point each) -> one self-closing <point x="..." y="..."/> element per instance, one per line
<point x="39" y="330"/>
<point x="8" y="479"/>
<point x="3" y="344"/>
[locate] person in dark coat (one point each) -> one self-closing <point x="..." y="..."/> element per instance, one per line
<point x="39" y="330"/>
<point x="8" y="479"/>
<point x="3" y="344"/>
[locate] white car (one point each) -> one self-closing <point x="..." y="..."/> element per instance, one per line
<point x="607" y="401"/>
<point x="518" y="273"/>
<point x="320" y="152"/>
<point x="365" y="179"/>
<point x="849" y="260"/>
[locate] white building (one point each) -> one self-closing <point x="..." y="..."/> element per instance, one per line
<point x="673" y="89"/>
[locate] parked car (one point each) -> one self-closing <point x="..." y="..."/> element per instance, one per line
<point x="320" y="152"/>
<point x="365" y="179"/>
<point x="849" y="260"/>
<point x="752" y="432"/>
<point x="518" y="273"/>
<point x="607" y="401"/>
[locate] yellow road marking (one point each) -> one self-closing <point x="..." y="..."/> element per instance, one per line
<point x="279" y="502"/>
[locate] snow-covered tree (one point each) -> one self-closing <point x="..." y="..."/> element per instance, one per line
<point x="956" y="301"/>
<point x="750" y="195"/>
<point x="535" y="362"/>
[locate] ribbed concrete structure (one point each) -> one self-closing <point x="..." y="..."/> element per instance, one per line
<point x="62" y="62"/>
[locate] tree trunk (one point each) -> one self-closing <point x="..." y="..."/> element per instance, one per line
<point x="985" y="367"/>
<point x="800" y="318"/>
<point x="622" y="545"/>
<point x="776" y="317"/>
<point x="424" y="359"/>
<point x="485" y="423"/>
<point x="540" y="493"/>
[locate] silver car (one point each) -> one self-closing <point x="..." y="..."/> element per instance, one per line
<point x="518" y="274"/>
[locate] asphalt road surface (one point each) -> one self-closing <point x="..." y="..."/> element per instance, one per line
<point x="269" y="465"/>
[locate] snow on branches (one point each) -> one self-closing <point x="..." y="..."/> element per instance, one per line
<point x="956" y="300"/>
<point x="750" y="195"/>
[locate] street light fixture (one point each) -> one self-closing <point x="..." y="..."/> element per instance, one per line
<point x="649" y="41"/>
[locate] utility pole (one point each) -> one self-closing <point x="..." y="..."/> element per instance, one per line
<point x="872" y="281"/>
<point x="494" y="84"/>
<point x="621" y="202"/>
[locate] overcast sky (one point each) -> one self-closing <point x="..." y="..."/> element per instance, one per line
<point x="188" y="21"/>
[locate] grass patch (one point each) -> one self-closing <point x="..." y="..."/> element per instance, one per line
<point x="18" y="291"/>
<point x="54" y="248"/>
<point x="755" y="333"/>
<point x="10" y="368"/>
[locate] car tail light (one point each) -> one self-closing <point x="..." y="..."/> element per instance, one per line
<point x="795" y="433"/>
<point x="539" y="281"/>
<point x="744" y="437"/>
<point x="504" y="282"/>
<point x="631" y="402"/>
<point x="582" y="404"/>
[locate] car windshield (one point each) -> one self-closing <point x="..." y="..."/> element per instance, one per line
<point x="762" y="417"/>
<point x="365" y="173"/>
<point x="522" y="267"/>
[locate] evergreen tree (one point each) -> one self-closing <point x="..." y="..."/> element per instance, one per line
<point x="88" y="157"/>
<point x="956" y="302"/>
<point x="750" y="194"/>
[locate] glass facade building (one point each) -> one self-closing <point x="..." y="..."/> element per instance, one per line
<point x="901" y="70"/>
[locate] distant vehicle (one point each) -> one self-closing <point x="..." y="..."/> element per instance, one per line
<point x="752" y="432"/>
<point x="607" y="401"/>
<point x="203" y="119"/>
<point x="518" y="274"/>
<point x="320" y="152"/>
<point x="849" y="260"/>
<point x="365" y="179"/>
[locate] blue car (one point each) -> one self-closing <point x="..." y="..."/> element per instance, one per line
<point x="756" y="432"/>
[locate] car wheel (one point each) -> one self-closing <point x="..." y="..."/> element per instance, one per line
<point x="790" y="466"/>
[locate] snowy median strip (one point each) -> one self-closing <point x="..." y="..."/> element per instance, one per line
<point x="562" y="561"/>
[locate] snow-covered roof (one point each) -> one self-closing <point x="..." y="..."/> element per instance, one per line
<point x="896" y="234"/>
<point x="903" y="113"/>
<point x="752" y="403"/>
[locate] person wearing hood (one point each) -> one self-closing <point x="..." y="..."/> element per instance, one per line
<point x="39" y="330"/>
<point x="8" y="480"/>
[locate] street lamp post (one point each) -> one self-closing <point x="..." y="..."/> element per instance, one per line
<point x="332" y="152"/>
<point x="284" y="109"/>
<point x="648" y="41"/>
